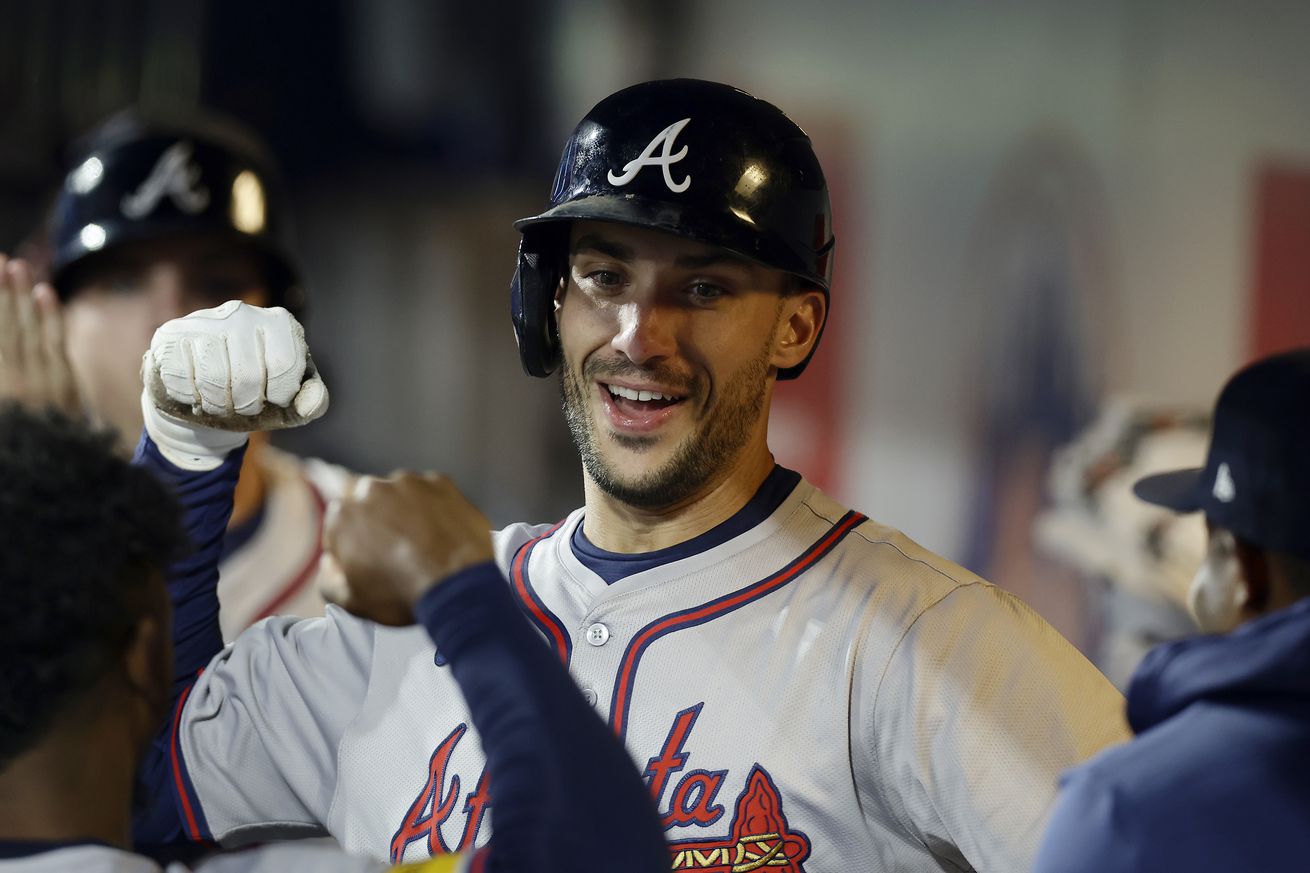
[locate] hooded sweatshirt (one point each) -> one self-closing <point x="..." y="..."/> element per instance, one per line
<point x="1218" y="777"/>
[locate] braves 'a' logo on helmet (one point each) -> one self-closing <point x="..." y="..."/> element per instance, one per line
<point x="174" y="175"/>
<point x="665" y="160"/>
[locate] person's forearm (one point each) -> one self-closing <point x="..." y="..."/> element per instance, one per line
<point x="206" y="502"/>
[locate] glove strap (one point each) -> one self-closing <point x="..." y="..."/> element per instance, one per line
<point x="188" y="446"/>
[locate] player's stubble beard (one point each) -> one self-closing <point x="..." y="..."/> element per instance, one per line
<point x="710" y="447"/>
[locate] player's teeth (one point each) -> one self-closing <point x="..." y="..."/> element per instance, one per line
<point x="634" y="394"/>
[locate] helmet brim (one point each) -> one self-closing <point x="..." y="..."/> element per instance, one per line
<point x="673" y="218"/>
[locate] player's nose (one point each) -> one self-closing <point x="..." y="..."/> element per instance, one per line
<point x="646" y="332"/>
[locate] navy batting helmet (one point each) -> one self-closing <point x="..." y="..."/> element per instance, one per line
<point x="134" y="179"/>
<point x="700" y="160"/>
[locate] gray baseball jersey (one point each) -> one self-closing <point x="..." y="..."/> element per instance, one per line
<point x="816" y="694"/>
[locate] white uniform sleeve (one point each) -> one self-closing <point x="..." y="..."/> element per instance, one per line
<point x="259" y="732"/>
<point x="980" y="708"/>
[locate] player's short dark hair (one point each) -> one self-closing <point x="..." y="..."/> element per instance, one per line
<point x="84" y="532"/>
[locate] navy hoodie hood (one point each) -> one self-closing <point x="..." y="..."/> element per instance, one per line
<point x="1268" y="657"/>
<point x="1218" y="778"/>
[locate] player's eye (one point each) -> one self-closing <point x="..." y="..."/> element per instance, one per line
<point x="705" y="292"/>
<point x="603" y="281"/>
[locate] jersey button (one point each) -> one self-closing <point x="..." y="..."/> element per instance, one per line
<point x="589" y="695"/>
<point x="598" y="634"/>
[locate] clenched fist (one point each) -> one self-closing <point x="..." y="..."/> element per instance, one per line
<point x="234" y="367"/>
<point x="389" y="541"/>
<point x="215" y="375"/>
<point x="34" y="368"/>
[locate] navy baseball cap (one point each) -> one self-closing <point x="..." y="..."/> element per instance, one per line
<point x="1256" y="478"/>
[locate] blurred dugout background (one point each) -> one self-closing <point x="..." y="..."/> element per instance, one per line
<point x="1040" y="205"/>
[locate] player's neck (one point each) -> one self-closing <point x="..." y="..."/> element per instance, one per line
<point x="619" y="527"/>
<point x="76" y="784"/>
<point x="252" y="485"/>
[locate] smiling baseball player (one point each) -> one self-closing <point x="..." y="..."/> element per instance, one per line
<point x="804" y="690"/>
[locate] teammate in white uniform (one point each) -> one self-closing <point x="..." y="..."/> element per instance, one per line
<point x="155" y="220"/>
<point x="805" y="690"/>
<point x="274" y="568"/>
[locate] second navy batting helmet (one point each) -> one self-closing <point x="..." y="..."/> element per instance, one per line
<point x="700" y="160"/>
<point x="134" y="179"/>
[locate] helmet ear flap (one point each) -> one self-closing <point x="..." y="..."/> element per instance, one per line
<point x="532" y="306"/>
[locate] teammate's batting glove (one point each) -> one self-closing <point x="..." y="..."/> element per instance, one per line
<point x="215" y="375"/>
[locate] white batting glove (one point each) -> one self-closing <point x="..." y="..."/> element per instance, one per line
<point x="215" y="375"/>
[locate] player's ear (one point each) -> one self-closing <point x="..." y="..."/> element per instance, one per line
<point x="148" y="666"/>
<point x="799" y="325"/>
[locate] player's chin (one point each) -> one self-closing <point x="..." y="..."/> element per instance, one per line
<point x="635" y="444"/>
<point x="630" y="463"/>
<point x="633" y="457"/>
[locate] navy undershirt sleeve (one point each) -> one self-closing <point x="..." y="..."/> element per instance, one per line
<point x="549" y="756"/>
<point x="206" y="501"/>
